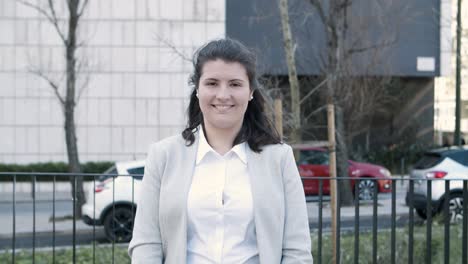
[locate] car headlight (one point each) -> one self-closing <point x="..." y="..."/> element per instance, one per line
<point x="385" y="172"/>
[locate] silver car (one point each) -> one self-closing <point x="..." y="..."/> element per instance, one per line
<point x="438" y="166"/>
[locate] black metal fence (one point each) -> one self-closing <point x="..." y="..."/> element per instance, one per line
<point x="414" y="222"/>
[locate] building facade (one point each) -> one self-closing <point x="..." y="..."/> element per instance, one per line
<point x="136" y="63"/>
<point x="133" y="82"/>
<point x="444" y="105"/>
<point x="405" y="40"/>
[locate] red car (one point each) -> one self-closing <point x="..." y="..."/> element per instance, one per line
<point x="313" y="162"/>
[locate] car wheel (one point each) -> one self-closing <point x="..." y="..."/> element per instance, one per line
<point x="118" y="224"/>
<point x="366" y="189"/>
<point x="456" y="208"/>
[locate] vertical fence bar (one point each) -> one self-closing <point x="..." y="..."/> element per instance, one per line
<point x="402" y="166"/>
<point x="74" y="218"/>
<point x="133" y="203"/>
<point x="94" y="219"/>
<point x="447" y="223"/>
<point x="356" y="221"/>
<point x="393" y="223"/>
<point x="374" y="223"/>
<point x="429" y="222"/>
<point x="13" y="246"/>
<point x="338" y="224"/>
<point x="465" y="223"/>
<point x="411" y="221"/>
<point x="113" y="217"/>
<point x="53" y="219"/>
<point x="34" y="219"/>
<point x="320" y="216"/>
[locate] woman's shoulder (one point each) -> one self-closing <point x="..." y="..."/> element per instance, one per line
<point x="169" y="143"/>
<point x="279" y="148"/>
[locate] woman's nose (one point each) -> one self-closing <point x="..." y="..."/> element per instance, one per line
<point x="223" y="92"/>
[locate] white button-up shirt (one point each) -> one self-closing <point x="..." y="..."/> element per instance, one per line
<point x="221" y="226"/>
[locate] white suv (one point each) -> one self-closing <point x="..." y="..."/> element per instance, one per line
<point x="115" y="210"/>
<point x="438" y="166"/>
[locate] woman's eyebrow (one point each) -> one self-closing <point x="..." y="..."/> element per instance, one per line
<point x="236" y="80"/>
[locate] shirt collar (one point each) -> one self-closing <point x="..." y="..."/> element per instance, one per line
<point x="204" y="148"/>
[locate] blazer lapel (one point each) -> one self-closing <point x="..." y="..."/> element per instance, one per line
<point x="255" y="170"/>
<point x="187" y="165"/>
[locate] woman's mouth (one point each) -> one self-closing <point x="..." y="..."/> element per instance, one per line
<point x="222" y="107"/>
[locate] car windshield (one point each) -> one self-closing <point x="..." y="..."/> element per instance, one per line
<point x="313" y="157"/>
<point x="137" y="173"/>
<point x="460" y="157"/>
<point x="428" y="160"/>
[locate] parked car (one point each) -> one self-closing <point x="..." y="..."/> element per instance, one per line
<point x="313" y="163"/>
<point x="439" y="165"/>
<point x="115" y="210"/>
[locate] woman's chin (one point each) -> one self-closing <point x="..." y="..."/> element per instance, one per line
<point x="225" y="124"/>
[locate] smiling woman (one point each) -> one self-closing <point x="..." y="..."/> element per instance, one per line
<point x="227" y="190"/>
<point x="223" y="93"/>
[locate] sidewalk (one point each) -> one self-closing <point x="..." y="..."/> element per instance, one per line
<point x="43" y="191"/>
<point x="384" y="208"/>
<point x="26" y="197"/>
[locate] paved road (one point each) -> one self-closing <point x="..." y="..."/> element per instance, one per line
<point x="43" y="215"/>
<point x="63" y="209"/>
<point x="86" y="237"/>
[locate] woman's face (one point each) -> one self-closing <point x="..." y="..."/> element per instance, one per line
<point x="223" y="94"/>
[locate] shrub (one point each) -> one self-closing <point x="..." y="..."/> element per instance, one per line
<point x="56" y="167"/>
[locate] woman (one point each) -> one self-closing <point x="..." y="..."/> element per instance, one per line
<point x="227" y="190"/>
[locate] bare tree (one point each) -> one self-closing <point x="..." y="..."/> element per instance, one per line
<point x="295" y="135"/>
<point x="342" y="84"/>
<point x="67" y="31"/>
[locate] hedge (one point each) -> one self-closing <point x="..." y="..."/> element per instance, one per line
<point x="57" y="167"/>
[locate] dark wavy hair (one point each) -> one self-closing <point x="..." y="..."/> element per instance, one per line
<point x="257" y="129"/>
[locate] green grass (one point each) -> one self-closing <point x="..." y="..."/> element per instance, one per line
<point x="84" y="255"/>
<point x="401" y="245"/>
<point x="104" y="253"/>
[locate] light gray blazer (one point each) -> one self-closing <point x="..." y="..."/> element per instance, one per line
<point x="280" y="214"/>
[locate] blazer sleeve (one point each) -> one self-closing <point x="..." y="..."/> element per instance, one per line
<point x="296" y="238"/>
<point x="146" y="243"/>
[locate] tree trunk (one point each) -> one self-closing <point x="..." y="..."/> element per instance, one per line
<point x="295" y="136"/>
<point x="73" y="160"/>
<point x="69" y="108"/>
<point x="335" y="56"/>
<point x="344" y="186"/>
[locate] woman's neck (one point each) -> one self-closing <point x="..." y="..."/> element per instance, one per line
<point x="221" y="140"/>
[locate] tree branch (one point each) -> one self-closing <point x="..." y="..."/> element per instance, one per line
<point x="313" y="91"/>
<point x="52" y="84"/>
<point x="372" y="47"/>
<point x="81" y="11"/>
<point x="318" y="6"/>
<point x="51" y="17"/>
<point x="81" y="65"/>
<point x="83" y="87"/>
<point x="173" y="48"/>
<point x="323" y="107"/>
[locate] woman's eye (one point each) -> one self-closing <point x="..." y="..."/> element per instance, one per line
<point x="211" y="84"/>
<point x="235" y="84"/>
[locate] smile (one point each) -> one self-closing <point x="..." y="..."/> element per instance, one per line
<point x="223" y="107"/>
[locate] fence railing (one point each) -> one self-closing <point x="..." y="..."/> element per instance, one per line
<point x="400" y="220"/>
